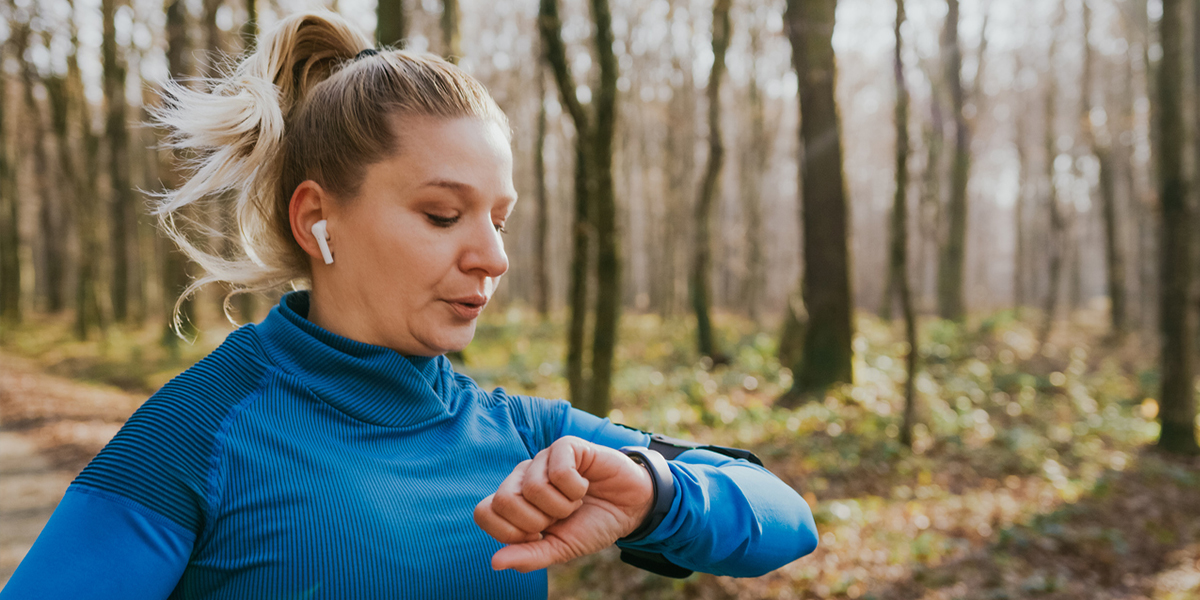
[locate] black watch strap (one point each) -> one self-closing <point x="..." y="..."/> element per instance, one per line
<point x="663" y="484"/>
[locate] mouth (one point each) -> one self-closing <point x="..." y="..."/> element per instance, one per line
<point x="467" y="307"/>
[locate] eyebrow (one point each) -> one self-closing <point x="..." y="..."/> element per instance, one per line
<point x="458" y="187"/>
<point x="455" y="186"/>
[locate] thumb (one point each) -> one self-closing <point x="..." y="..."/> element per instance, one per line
<point x="529" y="556"/>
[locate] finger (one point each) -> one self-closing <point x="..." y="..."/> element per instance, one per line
<point x="509" y="503"/>
<point x="497" y="526"/>
<point x="562" y="467"/>
<point x="540" y="492"/>
<point x="532" y="556"/>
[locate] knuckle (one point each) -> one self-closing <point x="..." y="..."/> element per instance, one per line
<point x="534" y="486"/>
<point x="504" y="503"/>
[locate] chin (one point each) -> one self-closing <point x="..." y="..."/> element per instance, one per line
<point x="455" y="341"/>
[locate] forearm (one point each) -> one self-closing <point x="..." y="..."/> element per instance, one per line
<point x="734" y="519"/>
<point x="97" y="545"/>
<point x="729" y="517"/>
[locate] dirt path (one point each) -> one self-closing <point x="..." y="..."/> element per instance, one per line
<point x="50" y="427"/>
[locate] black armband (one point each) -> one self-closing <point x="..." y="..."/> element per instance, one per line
<point x="671" y="447"/>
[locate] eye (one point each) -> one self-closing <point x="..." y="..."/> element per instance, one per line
<point x="500" y="228"/>
<point x="441" y="221"/>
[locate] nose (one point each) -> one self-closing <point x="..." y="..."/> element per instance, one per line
<point x="485" y="251"/>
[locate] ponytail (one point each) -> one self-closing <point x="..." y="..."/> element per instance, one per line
<point x="299" y="107"/>
<point x="232" y="138"/>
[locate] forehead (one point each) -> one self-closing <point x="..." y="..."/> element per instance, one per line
<point x="472" y="151"/>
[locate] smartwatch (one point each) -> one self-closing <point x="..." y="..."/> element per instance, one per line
<point x="663" y="484"/>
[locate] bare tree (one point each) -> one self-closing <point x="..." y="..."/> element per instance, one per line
<point x="950" y="266"/>
<point x="78" y="166"/>
<point x="542" y="234"/>
<point x="116" y="133"/>
<point x="174" y="263"/>
<point x="391" y="23"/>
<point x="755" y="157"/>
<point x="899" y="234"/>
<point x="1021" y="258"/>
<point x="1058" y="225"/>
<point x="1177" y="320"/>
<point x="10" y="262"/>
<point x="826" y="358"/>
<point x="249" y="31"/>
<point x="1100" y="146"/>
<point x="595" y="208"/>
<point x="701" y="275"/>
<point x="50" y="256"/>
<point x="451" y="42"/>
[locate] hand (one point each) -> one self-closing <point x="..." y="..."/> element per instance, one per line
<point x="572" y="499"/>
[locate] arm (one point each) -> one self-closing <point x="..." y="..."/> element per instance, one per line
<point x="103" y="546"/>
<point x="762" y="524"/>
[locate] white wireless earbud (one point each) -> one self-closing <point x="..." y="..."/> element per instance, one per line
<point x="318" y="230"/>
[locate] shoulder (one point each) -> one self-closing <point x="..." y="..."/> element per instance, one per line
<point x="537" y="420"/>
<point x="163" y="456"/>
<point x="198" y="399"/>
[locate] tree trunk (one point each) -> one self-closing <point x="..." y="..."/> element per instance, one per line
<point x="1021" y="258"/>
<point x="550" y="27"/>
<point x="1055" y="241"/>
<point x="899" y="247"/>
<point x="1176" y="321"/>
<point x="245" y="305"/>
<point x="90" y="309"/>
<point x="174" y="263"/>
<point x="951" y="264"/>
<point x="391" y="23"/>
<point x="451" y="44"/>
<point x="752" y="169"/>
<point x="824" y="209"/>
<point x="121" y="213"/>
<point x="608" y="259"/>
<point x="595" y="209"/>
<point x="249" y="31"/>
<point x="1114" y="253"/>
<point x="1195" y="196"/>
<point x="10" y="234"/>
<point x="60" y="101"/>
<point x="582" y="234"/>
<point x="1100" y="147"/>
<point x="1149" y="208"/>
<point x="931" y="190"/>
<point x="701" y="271"/>
<point x="541" y="236"/>
<point x="679" y="140"/>
<point x="50" y="254"/>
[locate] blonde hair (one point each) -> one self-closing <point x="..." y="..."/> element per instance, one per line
<point x="304" y="105"/>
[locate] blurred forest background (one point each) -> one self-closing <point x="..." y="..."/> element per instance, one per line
<point x="936" y="261"/>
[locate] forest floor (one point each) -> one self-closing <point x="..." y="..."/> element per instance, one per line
<point x="1031" y="476"/>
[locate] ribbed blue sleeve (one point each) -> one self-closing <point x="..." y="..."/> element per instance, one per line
<point x="165" y="455"/>
<point x="104" y="547"/>
<point x="729" y="516"/>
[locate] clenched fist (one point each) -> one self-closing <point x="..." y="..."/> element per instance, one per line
<point x="572" y="499"/>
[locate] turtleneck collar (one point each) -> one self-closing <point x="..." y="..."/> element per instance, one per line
<point x="370" y="383"/>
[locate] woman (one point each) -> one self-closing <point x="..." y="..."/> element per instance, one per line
<point x="331" y="451"/>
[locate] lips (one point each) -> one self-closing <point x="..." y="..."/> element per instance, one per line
<point x="468" y="307"/>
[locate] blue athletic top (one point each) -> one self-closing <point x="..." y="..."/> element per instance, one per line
<point x="295" y="463"/>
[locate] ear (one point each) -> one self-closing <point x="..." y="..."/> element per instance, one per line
<point x="310" y="203"/>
